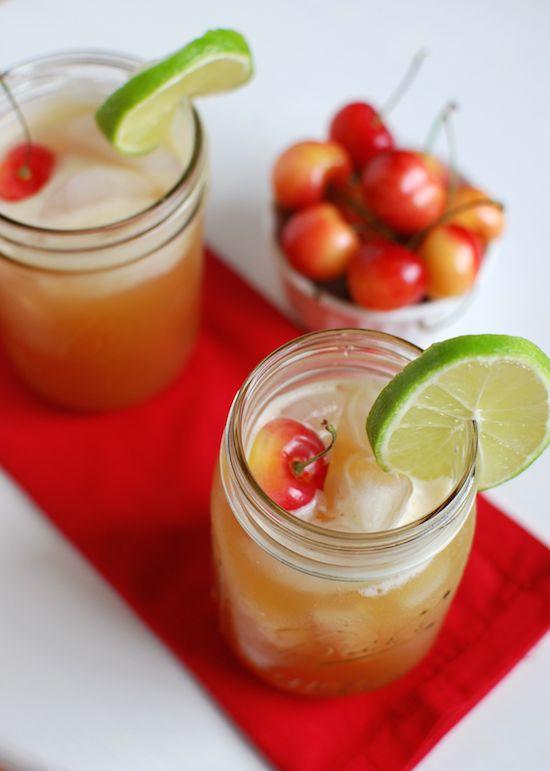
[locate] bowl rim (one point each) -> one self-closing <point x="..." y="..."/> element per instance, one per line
<point x="414" y="312"/>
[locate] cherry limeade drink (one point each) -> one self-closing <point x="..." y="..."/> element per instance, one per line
<point x="100" y="270"/>
<point x="349" y="591"/>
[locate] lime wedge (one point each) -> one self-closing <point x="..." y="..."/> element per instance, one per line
<point x="137" y="117"/>
<point x="502" y="383"/>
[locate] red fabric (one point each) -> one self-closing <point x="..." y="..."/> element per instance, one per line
<point x="131" y="490"/>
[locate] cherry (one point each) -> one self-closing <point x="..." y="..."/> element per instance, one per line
<point x="384" y="276"/>
<point x="286" y="464"/>
<point x="405" y="190"/>
<point x="318" y="242"/>
<point x="452" y="255"/>
<point x="360" y="129"/>
<point x="303" y="172"/>
<point x="24" y="170"/>
<point x="486" y="219"/>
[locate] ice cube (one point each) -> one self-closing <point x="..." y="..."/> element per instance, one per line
<point x="96" y="194"/>
<point x="83" y="136"/>
<point x="166" y="164"/>
<point x="312" y="405"/>
<point x="366" y="498"/>
<point x="428" y="588"/>
<point x="356" y="411"/>
<point x="361" y="496"/>
<point x="348" y="629"/>
<point x="161" y="167"/>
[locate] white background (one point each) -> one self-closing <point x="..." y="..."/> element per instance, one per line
<point x="85" y="687"/>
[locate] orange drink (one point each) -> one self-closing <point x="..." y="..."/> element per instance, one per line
<point x="345" y="589"/>
<point x="100" y="271"/>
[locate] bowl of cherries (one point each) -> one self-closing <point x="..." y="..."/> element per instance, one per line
<point x="371" y="235"/>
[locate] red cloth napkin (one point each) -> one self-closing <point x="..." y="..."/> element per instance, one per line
<point x="131" y="490"/>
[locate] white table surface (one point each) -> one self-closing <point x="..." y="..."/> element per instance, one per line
<point x="84" y="686"/>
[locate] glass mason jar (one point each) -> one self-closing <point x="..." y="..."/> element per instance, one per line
<point x="318" y="611"/>
<point x="102" y="317"/>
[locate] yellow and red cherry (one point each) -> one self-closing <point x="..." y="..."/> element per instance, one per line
<point x="486" y="219"/>
<point x="405" y="190"/>
<point x="318" y="242"/>
<point x="288" y="462"/>
<point x="24" y="171"/>
<point x="452" y="256"/>
<point x="303" y="172"/>
<point x="359" y="128"/>
<point x="384" y="276"/>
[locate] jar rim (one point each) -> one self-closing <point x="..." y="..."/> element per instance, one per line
<point x="338" y="542"/>
<point x="128" y="63"/>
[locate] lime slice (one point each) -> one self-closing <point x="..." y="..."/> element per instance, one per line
<point x="137" y="117"/>
<point x="419" y="420"/>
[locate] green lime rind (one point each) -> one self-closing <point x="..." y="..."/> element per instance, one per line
<point x="165" y="83"/>
<point x="400" y="398"/>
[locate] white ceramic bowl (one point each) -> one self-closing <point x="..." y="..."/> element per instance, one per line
<point x="316" y="308"/>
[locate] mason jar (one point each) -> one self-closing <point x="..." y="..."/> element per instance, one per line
<point x="324" y="612"/>
<point x="102" y="317"/>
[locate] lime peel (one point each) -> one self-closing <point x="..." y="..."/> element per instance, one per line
<point x="138" y="115"/>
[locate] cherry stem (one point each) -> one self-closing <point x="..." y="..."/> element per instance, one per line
<point x="452" y="187"/>
<point x="361" y="211"/>
<point x="449" y="214"/>
<point x="298" y="467"/>
<point x="404" y="84"/>
<point x="441" y="121"/>
<point x="25" y="170"/>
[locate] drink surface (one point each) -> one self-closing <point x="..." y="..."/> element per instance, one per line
<point x="92" y="184"/>
<point x="358" y="496"/>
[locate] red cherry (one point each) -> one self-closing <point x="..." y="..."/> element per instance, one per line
<point x="318" y="242"/>
<point x="24" y="170"/>
<point x="277" y="447"/>
<point x="405" y="190"/>
<point x="359" y="128"/>
<point x="303" y="172"/>
<point x="384" y="276"/>
<point x="452" y="256"/>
